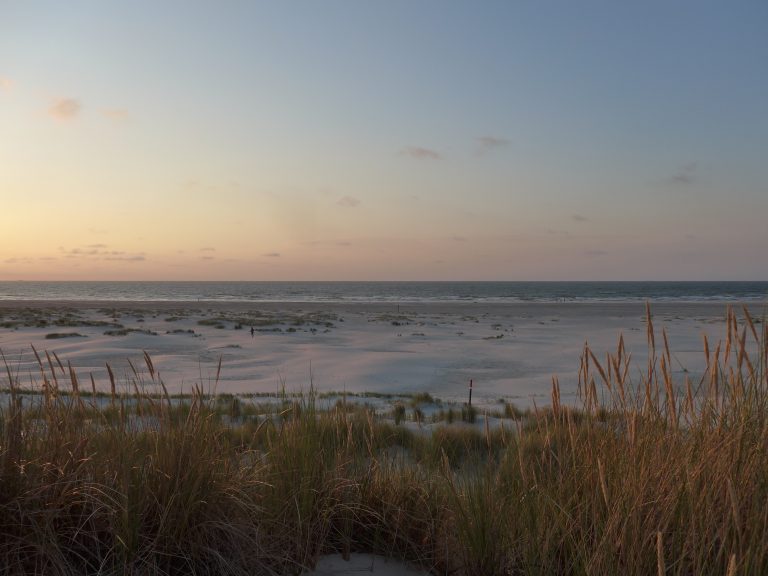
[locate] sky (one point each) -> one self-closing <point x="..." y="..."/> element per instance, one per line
<point x="387" y="140"/>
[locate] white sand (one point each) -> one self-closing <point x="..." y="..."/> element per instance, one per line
<point x="358" y="564"/>
<point x="436" y="348"/>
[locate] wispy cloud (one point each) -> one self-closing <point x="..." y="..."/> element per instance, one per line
<point x="127" y="258"/>
<point x="684" y="175"/>
<point x="117" y="114"/>
<point x="77" y="252"/>
<point x="486" y="144"/>
<point x="207" y="249"/>
<point x="272" y="255"/>
<point x="5" y="84"/>
<point x="99" y="252"/>
<point x="318" y="243"/>
<point x="64" y="109"/>
<point x="348" y="202"/>
<point x="579" y="218"/>
<point x="15" y="260"/>
<point x="420" y="153"/>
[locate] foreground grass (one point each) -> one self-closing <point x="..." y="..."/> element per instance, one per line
<point x="648" y="476"/>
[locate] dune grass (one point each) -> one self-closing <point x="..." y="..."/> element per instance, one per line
<point x="649" y="475"/>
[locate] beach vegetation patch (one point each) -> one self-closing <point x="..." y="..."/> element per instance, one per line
<point x="496" y="337"/>
<point x="216" y="322"/>
<point x="422" y="398"/>
<point x="398" y="413"/>
<point x="468" y="414"/>
<point x="58" y="335"/>
<point x="127" y="331"/>
<point x="71" y="323"/>
<point x="512" y="411"/>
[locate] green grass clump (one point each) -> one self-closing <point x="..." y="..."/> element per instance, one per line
<point x="127" y="331"/>
<point x="58" y="335"/>
<point x="398" y="412"/>
<point x="422" y="398"/>
<point x="215" y="322"/>
<point x="650" y="476"/>
<point x="468" y="413"/>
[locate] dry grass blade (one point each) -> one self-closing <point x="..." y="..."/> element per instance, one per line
<point x="53" y="370"/>
<point x="661" y="567"/>
<point x="165" y="393"/>
<point x="61" y="366"/>
<point x="555" y="397"/>
<point x="11" y="379"/>
<point x="621" y="351"/>
<point x="133" y="369"/>
<point x="150" y="365"/>
<point x="651" y="354"/>
<point x="600" y="370"/>
<point x="37" y="356"/>
<point x="671" y="397"/>
<point x="734" y="507"/>
<point x="603" y="485"/>
<point x="649" y="327"/>
<point x="666" y="346"/>
<point x="73" y="380"/>
<point x="218" y="373"/>
<point x="751" y="324"/>
<point x="706" y="350"/>
<point x="112" y="386"/>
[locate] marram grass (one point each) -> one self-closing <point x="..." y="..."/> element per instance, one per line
<point x="649" y="475"/>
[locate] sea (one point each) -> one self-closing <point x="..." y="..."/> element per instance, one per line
<point x="401" y="292"/>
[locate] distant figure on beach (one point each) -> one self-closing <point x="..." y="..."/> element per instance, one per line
<point x="252" y="331"/>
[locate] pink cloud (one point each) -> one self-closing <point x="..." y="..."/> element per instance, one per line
<point x="488" y="143"/>
<point x="348" y="202"/>
<point x="64" y="108"/>
<point x="420" y="153"/>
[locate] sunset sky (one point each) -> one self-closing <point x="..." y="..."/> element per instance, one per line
<point x="390" y="140"/>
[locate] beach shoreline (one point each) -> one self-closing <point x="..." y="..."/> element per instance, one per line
<point x="606" y="307"/>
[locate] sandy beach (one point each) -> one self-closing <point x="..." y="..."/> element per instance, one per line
<point x="510" y="351"/>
